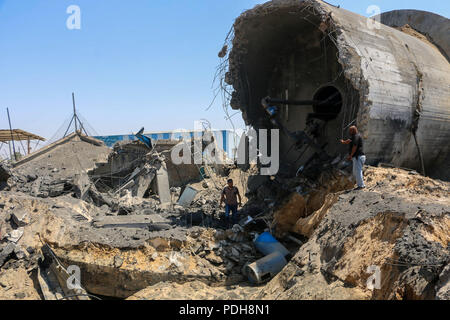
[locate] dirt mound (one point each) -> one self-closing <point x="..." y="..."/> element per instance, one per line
<point x="195" y="290"/>
<point x="399" y="224"/>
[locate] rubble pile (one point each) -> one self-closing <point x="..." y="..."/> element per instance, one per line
<point x="110" y="221"/>
<point x="129" y="244"/>
<point x="399" y="224"/>
<point x="51" y="171"/>
<point x="138" y="225"/>
<point x="137" y="229"/>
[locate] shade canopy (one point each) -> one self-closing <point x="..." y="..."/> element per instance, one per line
<point x="18" y="135"/>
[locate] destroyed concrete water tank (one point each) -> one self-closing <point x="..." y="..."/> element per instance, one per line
<point x="394" y="85"/>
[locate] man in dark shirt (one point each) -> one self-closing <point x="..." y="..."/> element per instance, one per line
<point x="356" y="154"/>
<point x="230" y="196"/>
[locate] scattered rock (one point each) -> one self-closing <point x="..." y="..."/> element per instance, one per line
<point x="118" y="261"/>
<point x="443" y="285"/>
<point x="15" y="235"/>
<point x="21" y="217"/>
<point x="6" y="252"/>
<point x="211" y="257"/>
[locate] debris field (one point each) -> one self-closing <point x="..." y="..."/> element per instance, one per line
<point x="79" y="220"/>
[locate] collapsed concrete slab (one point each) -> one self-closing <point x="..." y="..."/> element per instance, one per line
<point x="145" y="222"/>
<point x="392" y="85"/>
<point x="127" y="156"/>
<point x="162" y="182"/>
<point x="120" y="255"/>
<point x="52" y="170"/>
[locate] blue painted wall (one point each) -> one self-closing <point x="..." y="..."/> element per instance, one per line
<point x="222" y="136"/>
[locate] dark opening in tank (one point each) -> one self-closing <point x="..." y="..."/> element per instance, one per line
<point x="330" y="106"/>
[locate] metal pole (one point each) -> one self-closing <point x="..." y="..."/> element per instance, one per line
<point x="74" y="112"/>
<point x="68" y="128"/>
<point x="12" y="137"/>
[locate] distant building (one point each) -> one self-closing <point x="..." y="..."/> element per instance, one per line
<point x="224" y="138"/>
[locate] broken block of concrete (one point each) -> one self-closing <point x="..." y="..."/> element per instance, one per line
<point x="82" y="184"/>
<point x="6" y="253"/>
<point x="187" y="197"/>
<point x="57" y="283"/>
<point x="163" y="185"/>
<point x="21" y="217"/>
<point x="129" y="221"/>
<point x="15" y="235"/>
<point x="143" y="181"/>
<point x="443" y="284"/>
<point x="5" y="173"/>
<point x="99" y="198"/>
<point x="20" y="252"/>
<point x="35" y="187"/>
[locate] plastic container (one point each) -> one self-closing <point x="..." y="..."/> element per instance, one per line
<point x="266" y="268"/>
<point x="267" y="244"/>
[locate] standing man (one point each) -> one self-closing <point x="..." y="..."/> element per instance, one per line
<point x="230" y="196"/>
<point x="356" y="155"/>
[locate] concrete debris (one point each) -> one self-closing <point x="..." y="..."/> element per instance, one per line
<point x="50" y="172"/>
<point x="56" y="282"/>
<point x="145" y="222"/>
<point x="107" y="218"/>
<point x="15" y="235"/>
<point x="191" y="244"/>
<point x="188" y="196"/>
<point x="443" y="285"/>
<point x="138" y="226"/>
<point x="6" y="252"/>
<point x="162" y="181"/>
<point x="17" y="284"/>
<point x="401" y="228"/>
<point x="195" y="290"/>
<point x="82" y="185"/>
<point x="5" y="174"/>
<point x="21" y="217"/>
<point x="20" y="253"/>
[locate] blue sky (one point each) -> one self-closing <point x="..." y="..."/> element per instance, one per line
<point x="133" y="63"/>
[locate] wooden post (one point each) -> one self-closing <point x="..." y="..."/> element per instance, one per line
<point x="28" y="145"/>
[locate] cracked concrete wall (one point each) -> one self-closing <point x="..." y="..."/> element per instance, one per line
<point x="384" y="75"/>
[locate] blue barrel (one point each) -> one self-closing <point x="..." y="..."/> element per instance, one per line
<point x="267" y="244"/>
